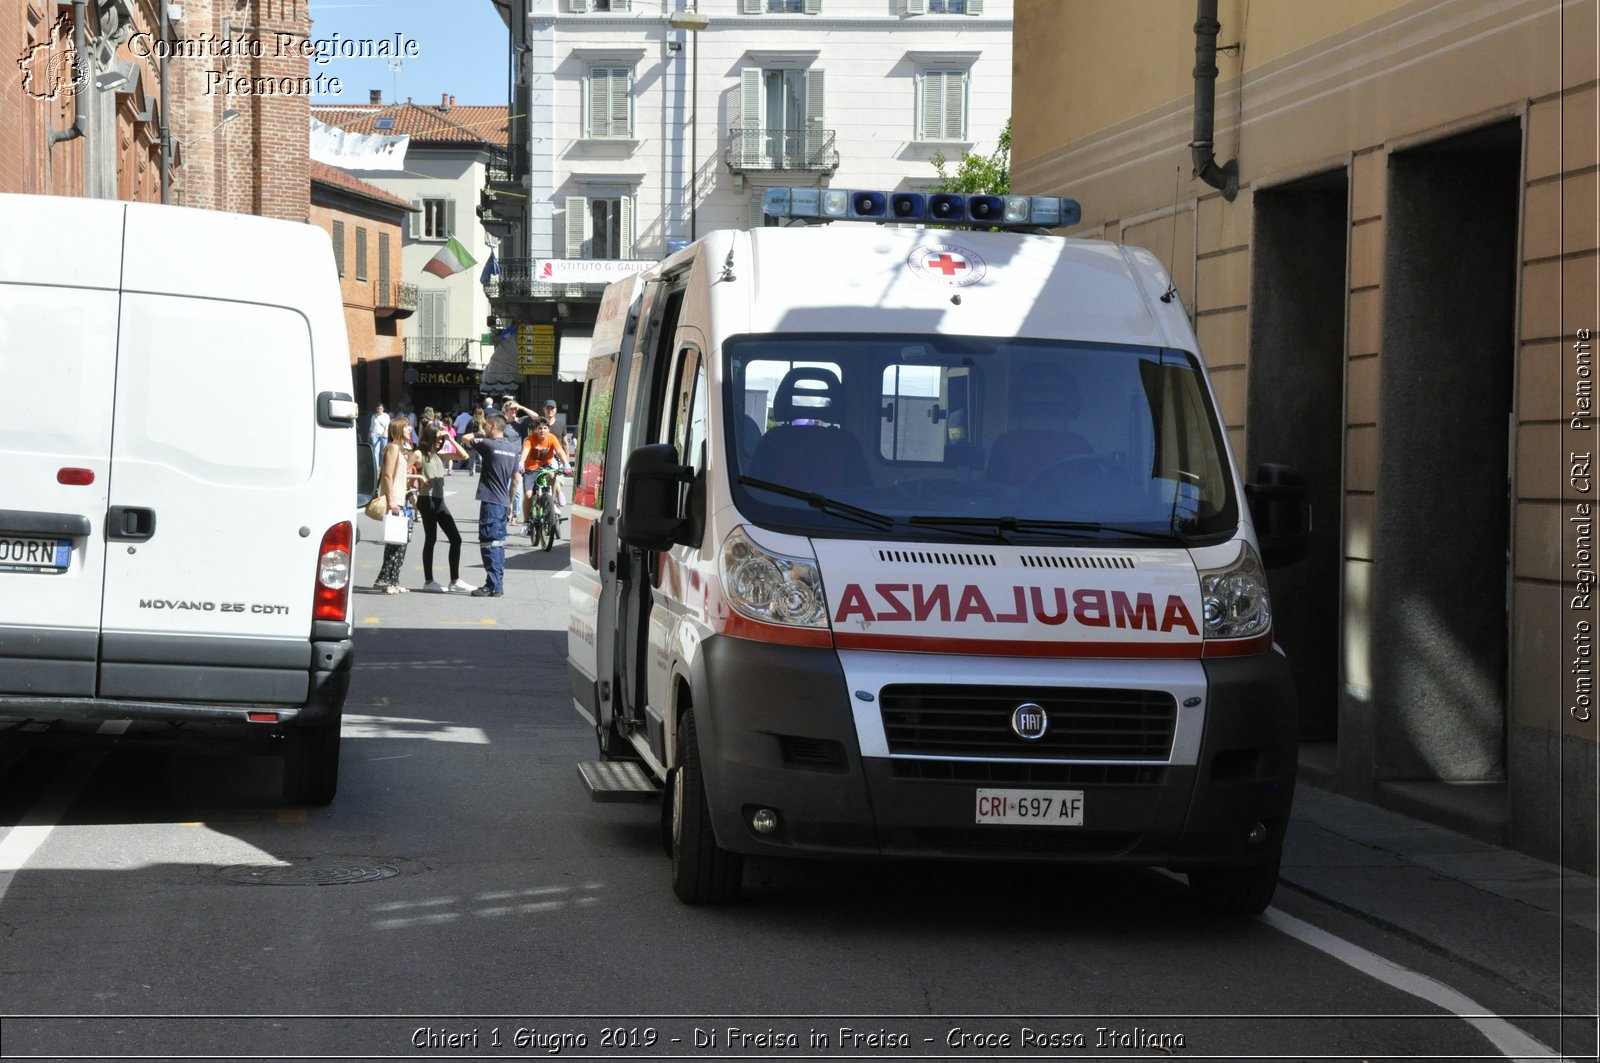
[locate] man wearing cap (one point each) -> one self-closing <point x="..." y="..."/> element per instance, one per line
<point x="551" y="414"/>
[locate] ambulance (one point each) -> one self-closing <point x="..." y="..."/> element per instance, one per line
<point x="920" y="540"/>
<point x="181" y="465"/>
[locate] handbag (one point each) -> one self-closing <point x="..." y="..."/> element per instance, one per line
<point x="396" y="529"/>
<point x="378" y="507"/>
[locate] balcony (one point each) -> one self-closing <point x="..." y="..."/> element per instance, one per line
<point x="781" y="151"/>
<point x="516" y="281"/>
<point x="436" y="349"/>
<point x="393" y="299"/>
<point x="507" y="167"/>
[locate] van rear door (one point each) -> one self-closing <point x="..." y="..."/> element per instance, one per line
<point x="209" y="576"/>
<point x="58" y="329"/>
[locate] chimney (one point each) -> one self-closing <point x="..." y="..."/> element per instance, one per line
<point x="374" y="95"/>
<point x="444" y="101"/>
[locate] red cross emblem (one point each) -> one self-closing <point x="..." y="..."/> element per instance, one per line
<point x="945" y="263"/>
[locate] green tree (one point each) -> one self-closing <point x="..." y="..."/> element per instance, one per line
<point x="990" y="174"/>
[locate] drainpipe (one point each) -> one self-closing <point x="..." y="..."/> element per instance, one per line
<point x="166" y="126"/>
<point x="1225" y="177"/>
<point x="80" y="50"/>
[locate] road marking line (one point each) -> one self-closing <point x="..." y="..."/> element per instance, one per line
<point x="1505" y="1037"/>
<point x="22" y="841"/>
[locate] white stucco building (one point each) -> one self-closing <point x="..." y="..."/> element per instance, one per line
<point x="651" y="122"/>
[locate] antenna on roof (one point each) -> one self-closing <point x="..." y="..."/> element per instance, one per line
<point x="394" y="79"/>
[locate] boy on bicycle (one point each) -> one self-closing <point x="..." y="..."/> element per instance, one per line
<point x="541" y="448"/>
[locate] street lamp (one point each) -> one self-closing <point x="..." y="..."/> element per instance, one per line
<point x="694" y="22"/>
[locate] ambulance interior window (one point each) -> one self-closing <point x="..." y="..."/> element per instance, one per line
<point x="914" y="413"/>
<point x="589" y="487"/>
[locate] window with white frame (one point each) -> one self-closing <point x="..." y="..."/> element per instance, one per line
<point x="780" y="7"/>
<point x="608" y="102"/>
<point x="600" y="226"/>
<point x="579" y="7"/>
<point x="944" y="7"/>
<point x="433" y="219"/>
<point x="781" y="118"/>
<point x="942" y="105"/>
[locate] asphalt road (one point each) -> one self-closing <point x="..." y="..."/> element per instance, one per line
<point x="463" y="898"/>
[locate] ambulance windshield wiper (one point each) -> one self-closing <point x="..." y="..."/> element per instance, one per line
<point x="822" y="502"/>
<point x="1016" y="524"/>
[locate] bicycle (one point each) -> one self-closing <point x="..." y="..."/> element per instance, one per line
<point x="544" y="527"/>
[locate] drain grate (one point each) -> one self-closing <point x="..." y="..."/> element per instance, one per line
<point x="307" y="874"/>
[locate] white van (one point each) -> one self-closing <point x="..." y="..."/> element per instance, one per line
<point x="176" y="527"/>
<point x="915" y="542"/>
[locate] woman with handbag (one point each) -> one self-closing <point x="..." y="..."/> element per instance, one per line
<point x="394" y="481"/>
<point x="435" y="450"/>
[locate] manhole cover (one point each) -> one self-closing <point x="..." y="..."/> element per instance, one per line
<point x="307" y="875"/>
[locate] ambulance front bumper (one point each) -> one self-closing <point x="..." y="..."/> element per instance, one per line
<point x="778" y="731"/>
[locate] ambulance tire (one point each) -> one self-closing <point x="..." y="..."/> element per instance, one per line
<point x="311" y="764"/>
<point x="1234" y="891"/>
<point x="702" y="871"/>
<point x="666" y="812"/>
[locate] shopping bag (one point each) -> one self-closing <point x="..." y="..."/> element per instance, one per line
<point x="378" y="506"/>
<point x="396" y="529"/>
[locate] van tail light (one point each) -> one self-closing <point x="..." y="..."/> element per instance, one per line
<point x="331" y="597"/>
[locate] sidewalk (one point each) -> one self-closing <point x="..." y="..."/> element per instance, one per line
<point x="1513" y="918"/>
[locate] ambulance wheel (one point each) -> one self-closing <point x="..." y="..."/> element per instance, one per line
<point x="702" y="871"/>
<point x="666" y="811"/>
<point x="1234" y="890"/>
<point x="311" y="764"/>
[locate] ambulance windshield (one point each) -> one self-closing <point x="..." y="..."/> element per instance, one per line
<point x="940" y="437"/>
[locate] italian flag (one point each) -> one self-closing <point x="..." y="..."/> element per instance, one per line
<point x="451" y="259"/>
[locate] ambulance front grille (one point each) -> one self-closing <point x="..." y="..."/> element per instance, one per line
<point x="972" y="721"/>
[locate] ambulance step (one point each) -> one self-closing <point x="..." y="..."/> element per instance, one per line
<point x="617" y="780"/>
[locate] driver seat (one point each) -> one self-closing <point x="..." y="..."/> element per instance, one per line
<point x="1042" y="399"/>
<point x="809" y="448"/>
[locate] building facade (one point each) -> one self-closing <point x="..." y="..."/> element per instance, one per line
<point x="652" y="122"/>
<point x="1398" y="300"/>
<point x="366" y="225"/>
<point x="124" y="99"/>
<point x="450" y="149"/>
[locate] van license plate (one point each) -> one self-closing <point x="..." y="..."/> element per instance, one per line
<point x="34" y="555"/>
<point x="1036" y="808"/>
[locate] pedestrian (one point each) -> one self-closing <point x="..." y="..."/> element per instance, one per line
<point x="378" y="434"/>
<point x="499" y="457"/>
<point x="519" y="425"/>
<point x="394" y="480"/>
<point x="435" y="449"/>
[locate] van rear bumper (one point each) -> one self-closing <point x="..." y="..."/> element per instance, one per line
<point x="777" y="731"/>
<point x="302" y="684"/>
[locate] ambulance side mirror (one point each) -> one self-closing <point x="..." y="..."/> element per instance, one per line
<point x="1280" y="508"/>
<point x="651" y="486"/>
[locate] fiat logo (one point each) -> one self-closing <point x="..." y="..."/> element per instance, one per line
<point x="1029" y="721"/>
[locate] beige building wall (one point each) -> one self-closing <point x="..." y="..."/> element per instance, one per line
<point x="1103" y="112"/>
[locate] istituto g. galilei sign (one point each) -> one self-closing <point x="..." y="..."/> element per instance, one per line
<point x="586" y="270"/>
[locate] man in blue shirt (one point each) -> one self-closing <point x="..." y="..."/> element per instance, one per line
<point x="500" y="461"/>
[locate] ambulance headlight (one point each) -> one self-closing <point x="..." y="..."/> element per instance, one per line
<point x="1234" y="599"/>
<point x="771" y="587"/>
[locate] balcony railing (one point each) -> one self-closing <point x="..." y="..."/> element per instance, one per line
<point x="507" y="166"/>
<point x="516" y="281"/>
<point x="394" y="299"/>
<point x="436" y="349"/>
<point x="753" y="150"/>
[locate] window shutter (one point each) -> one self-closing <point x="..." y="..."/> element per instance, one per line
<point x="338" y="246"/>
<point x="932" y="105"/>
<point x="578" y="7"/>
<point x="974" y="7"/>
<point x="361" y="253"/>
<point x="814" y="117"/>
<point x="620" y="125"/>
<point x="813" y="7"/>
<point x="753" y="136"/>
<point x="598" y="102"/>
<point x="449" y="219"/>
<point x="916" y="7"/>
<point x="577" y="226"/>
<point x="625" y="245"/>
<point x="955" y="100"/>
<point x="755" y="217"/>
<point x="622" y="5"/>
<point x="414" y="220"/>
<point x="750" y="7"/>
<point x="383" y="262"/>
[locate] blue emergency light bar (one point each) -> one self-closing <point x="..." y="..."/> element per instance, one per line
<point x="932" y="208"/>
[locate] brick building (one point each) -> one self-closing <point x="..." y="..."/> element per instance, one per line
<point x="365" y="224"/>
<point x="96" y="95"/>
